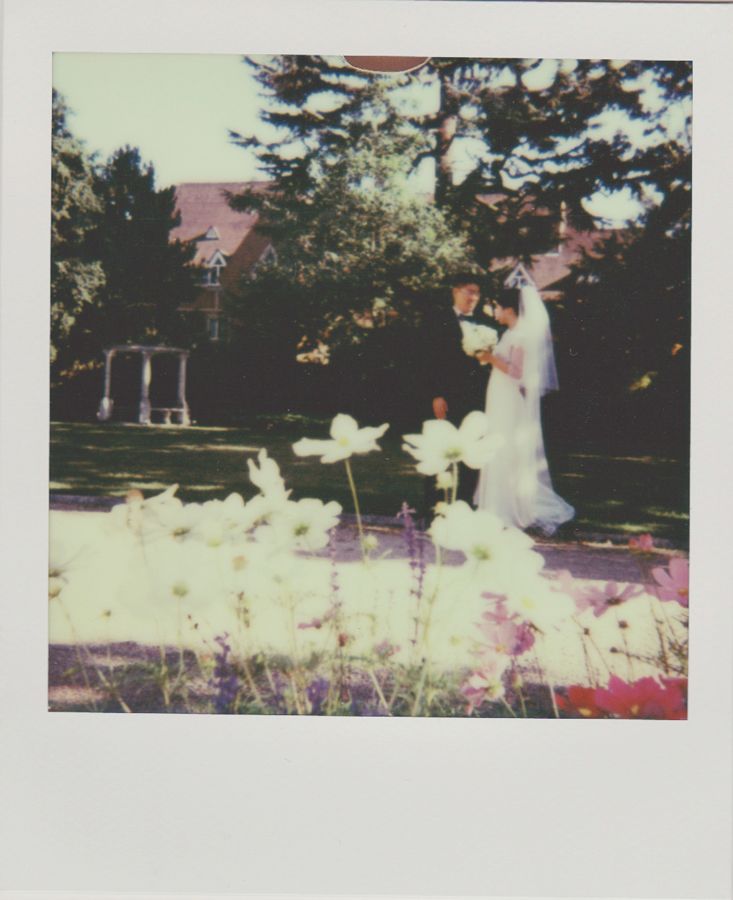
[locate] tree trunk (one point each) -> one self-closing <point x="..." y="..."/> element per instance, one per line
<point x="446" y="122"/>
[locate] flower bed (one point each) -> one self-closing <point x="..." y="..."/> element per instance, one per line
<point x="254" y="611"/>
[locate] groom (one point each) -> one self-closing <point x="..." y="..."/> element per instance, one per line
<point x="454" y="383"/>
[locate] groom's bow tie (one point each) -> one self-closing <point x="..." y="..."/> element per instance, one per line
<point x="463" y="317"/>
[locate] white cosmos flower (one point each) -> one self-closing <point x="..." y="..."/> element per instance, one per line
<point x="141" y="515"/>
<point x="440" y="444"/>
<point x="184" y="574"/>
<point x="301" y="525"/>
<point x="267" y="477"/>
<point x="229" y="516"/>
<point x="213" y="523"/>
<point x="260" y="509"/>
<point x="532" y="597"/>
<point x="346" y="440"/>
<point x="179" y="520"/>
<point x="494" y="553"/>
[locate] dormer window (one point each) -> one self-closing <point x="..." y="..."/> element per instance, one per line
<point x="212" y="272"/>
<point x="212" y="234"/>
<point x="518" y="277"/>
<point x="212" y="276"/>
<point x="269" y="256"/>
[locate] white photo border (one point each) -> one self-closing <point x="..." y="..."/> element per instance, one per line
<point x="173" y="806"/>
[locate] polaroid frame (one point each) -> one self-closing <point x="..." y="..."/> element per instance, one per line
<point x="175" y="806"/>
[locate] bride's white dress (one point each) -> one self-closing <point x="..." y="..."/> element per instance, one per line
<point x="515" y="485"/>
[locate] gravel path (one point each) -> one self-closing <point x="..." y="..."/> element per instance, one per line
<point x="591" y="556"/>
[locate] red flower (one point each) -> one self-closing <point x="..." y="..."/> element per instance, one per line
<point x="646" y="698"/>
<point x="643" y="544"/>
<point x="580" y="702"/>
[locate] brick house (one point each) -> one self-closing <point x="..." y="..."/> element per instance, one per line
<point x="550" y="269"/>
<point x="227" y="243"/>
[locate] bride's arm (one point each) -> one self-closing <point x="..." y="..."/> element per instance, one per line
<point x="512" y="367"/>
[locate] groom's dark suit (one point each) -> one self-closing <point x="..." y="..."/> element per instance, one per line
<point x="452" y="374"/>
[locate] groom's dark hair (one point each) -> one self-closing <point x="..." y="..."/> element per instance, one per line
<point x="465" y="277"/>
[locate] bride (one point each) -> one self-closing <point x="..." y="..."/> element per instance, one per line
<point x="515" y="484"/>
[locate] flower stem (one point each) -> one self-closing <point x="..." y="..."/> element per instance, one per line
<point x="357" y="510"/>
<point x="82" y="666"/>
<point x="378" y="689"/>
<point x="546" y="680"/>
<point x="510" y="710"/>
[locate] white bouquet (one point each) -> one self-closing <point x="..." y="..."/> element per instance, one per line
<point x="477" y="338"/>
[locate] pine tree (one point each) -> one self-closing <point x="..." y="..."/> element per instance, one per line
<point x="625" y="319"/>
<point x="532" y="135"/>
<point x="148" y="277"/>
<point x="76" y="275"/>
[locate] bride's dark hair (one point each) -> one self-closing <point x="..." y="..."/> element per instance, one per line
<point x="509" y="299"/>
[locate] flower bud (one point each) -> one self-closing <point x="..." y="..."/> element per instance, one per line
<point x="370" y="543"/>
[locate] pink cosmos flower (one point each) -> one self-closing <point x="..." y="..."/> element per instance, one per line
<point x="646" y="698"/>
<point x="485" y="683"/>
<point x="320" y="621"/>
<point x="511" y="636"/>
<point x="499" y="613"/>
<point x="601" y="599"/>
<point x="642" y="544"/>
<point x="385" y="649"/>
<point x="566" y="583"/>
<point x="674" y="581"/>
<point x="503" y="631"/>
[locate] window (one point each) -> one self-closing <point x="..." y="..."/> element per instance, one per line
<point x="212" y="272"/>
<point x="212" y="276"/>
<point x="213" y="327"/>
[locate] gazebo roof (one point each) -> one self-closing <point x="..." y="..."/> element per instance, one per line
<point x="146" y="348"/>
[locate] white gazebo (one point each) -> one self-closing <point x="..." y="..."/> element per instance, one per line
<point x="145" y="409"/>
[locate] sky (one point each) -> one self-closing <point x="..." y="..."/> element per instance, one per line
<point x="178" y="110"/>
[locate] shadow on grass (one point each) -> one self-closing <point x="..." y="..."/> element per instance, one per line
<point x="612" y="492"/>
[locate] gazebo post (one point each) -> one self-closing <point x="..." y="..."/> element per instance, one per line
<point x="184" y="413"/>
<point x="147" y="374"/>
<point x="106" y="403"/>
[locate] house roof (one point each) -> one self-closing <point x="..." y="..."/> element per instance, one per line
<point x="203" y="209"/>
<point x="547" y="269"/>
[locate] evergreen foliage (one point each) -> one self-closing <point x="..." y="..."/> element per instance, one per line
<point x="76" y="276"/>
<point x="355" y="249"/>
<point x="148" y="276"/>
<point x="116" y="275"/>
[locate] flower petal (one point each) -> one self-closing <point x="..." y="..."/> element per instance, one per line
<point x="311" y="447"/>
<point x="343" y="427"/>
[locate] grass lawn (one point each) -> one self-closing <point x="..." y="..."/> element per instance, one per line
<point x="621" y="493"/>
